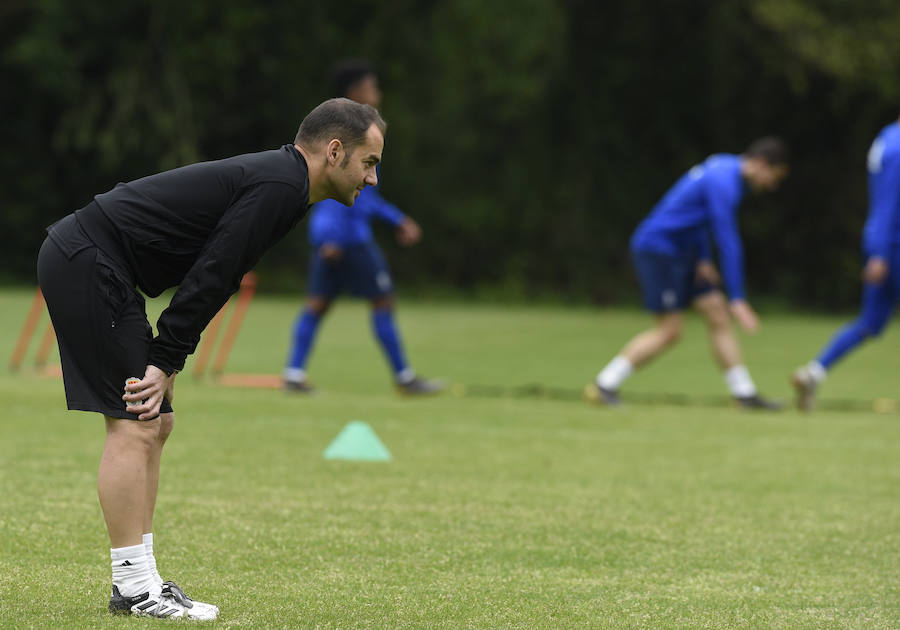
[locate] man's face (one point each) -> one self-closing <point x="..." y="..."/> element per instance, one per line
<point x="356" y="168"/>
<point x="765" y="177"/>
<point x="366" y="91"/>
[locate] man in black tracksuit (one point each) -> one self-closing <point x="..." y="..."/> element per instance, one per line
<point x="201" y="228"/>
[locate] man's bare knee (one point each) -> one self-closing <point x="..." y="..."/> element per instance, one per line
<point x="714" y="310"/>
<point x="133" y="433"/>
<point x="672" y="334"/>
<point x="318" y="304"/>
<point x="383" y="303"/>
<point x="671" y="328"/>
<point x="718" y="319"/>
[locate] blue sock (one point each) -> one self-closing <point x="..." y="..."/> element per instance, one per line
<point x="389" y="338"/>
<point x="846" y="339"/>
<point x="304" y="335"/>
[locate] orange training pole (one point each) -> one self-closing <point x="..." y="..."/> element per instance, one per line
<point x="209" y="341"/>
<point x="248" y="288"/>
<point x="40" y="359"/>
<point x="34" y="314"/>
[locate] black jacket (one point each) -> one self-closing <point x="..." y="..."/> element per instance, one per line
<point x="199" y="227"/>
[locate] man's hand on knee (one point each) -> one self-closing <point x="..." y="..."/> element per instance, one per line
<point x="149" y="391"/>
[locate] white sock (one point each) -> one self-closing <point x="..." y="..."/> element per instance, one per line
<point x="817" y="371"/>
<point x="615" y="373"/>
<point x="295" y="375"/>
<point x="739" y="382"/>
<point x="131" y="571"/>
<point x="151" y="559"/>
<point x="405" y="375"/>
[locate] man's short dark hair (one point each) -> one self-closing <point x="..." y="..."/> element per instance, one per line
<point x="772" y="149"/>
<point x="348" y="72"/>
<point x="340" y="118"/>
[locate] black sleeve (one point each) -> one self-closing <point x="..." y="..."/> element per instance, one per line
<point x="254" y="222"/>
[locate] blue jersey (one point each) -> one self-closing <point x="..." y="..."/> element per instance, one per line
<point x="332" y="222"/>
<point x="881" y="235"/>
<point x="703" y="202"/>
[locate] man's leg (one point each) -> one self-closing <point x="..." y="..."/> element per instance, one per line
<point x="385" y="330"/>
<point x="653" y="342"/>
<point x="166" y="424"/>
<point x="877" y="305"/>
<point x="123" y="478"/>
<point x="370" y="277"/>
<point x="665" y="282"/>
<point x="725" y="347"/>
<point x="723" y="342"/>
<point x="304" y="335"/>
<point x="121" y="485"/>
<point x="642" y="349"/>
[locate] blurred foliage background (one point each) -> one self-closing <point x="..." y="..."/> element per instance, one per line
<point x="528" y="137"/>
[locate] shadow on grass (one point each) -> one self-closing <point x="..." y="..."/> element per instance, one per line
<point x="536" y="390"/>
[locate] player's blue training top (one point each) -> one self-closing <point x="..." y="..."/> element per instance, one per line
<point x="881" y="235"/>
<point x="705" y="200"/>
<point x="332" y="222"/>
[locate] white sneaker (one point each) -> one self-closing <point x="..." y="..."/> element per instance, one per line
<point x="805" y="385"/>
<point x="170" y="588"/>
<point x="155" y="603"/>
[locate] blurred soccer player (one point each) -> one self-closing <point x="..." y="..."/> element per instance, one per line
<point x="346" y="257"/>
<point x="200" y="228"/>
<point x="881" y="273"/>
<point x="672" y="257"/>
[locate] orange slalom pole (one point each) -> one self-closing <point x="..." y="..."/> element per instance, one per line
<point x="34" y="314"/>
<point x="245" y="296"/>
<point x="209" y="341"/>
<point x="40" y="359"/>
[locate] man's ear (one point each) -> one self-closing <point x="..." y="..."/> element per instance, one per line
<point x="335" y="151"/>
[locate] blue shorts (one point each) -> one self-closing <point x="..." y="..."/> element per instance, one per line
<point x="668" y="283"/>
<point x="361" y="270"/>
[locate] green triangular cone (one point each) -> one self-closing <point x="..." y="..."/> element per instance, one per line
<point x="357" y="442"/>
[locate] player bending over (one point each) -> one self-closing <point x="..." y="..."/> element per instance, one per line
<point x="200" y="228"/>
<point x="345" y="256"/>
<point x="881" y="273"/>
<point x="671" y="254"/>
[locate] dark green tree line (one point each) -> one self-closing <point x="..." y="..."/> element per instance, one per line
<point x="528" y="137"/>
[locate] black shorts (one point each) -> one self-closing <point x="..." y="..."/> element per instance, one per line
<point x="99" y="318"/>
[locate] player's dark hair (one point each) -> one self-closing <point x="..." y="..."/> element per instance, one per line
<point x="772" y="149"/>
<point x="340" y="118"/>
<point x="347" y="73"/>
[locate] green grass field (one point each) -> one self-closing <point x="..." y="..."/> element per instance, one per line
<point x="496" y="512"/>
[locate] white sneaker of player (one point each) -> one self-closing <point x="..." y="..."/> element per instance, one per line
<point x="805" y="384"/>
<point x="155" y="603"/>
<point x="173" y="590"/>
